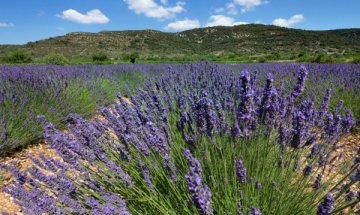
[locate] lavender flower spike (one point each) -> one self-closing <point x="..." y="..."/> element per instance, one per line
<point x="327" y="206"/>
<point x="200" y="194"/>
<point x="255" y="211"/>
<point x="240" y="171"/>
<point x="300" y="84"/>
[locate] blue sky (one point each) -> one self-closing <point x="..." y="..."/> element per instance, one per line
<point x="30" y="20"/>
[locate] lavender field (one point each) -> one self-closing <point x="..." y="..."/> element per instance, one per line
<point x="200" y="138"/>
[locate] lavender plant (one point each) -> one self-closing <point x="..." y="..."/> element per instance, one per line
<point x="197" y="139"/>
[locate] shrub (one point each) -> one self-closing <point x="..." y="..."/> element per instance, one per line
<point x="100" y="57"/>
<point x="56" y="59"/>
<point x="18" y="56"/>
<point x="356" y="60"/>
<point x="323" y="59"/>
<point x="133" y="57"/>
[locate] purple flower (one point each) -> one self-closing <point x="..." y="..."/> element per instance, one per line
<point x="356" y="175"/>
<point x="327" y="206"/>
<point x="283" y="137"/>
<point x="307" y="170"/>
<point x="300" y="84"/>
<point x="255" y="211"/>
<point x="299" y="129"/>
<point x="240" y="171"/>
<point x="296" y="164"/>
<point x="348" y="122"/>
<point x="350" y="195"/>
<point x="313" y="151"/>
<point x="146" y="174"/>
<point x="258" y="185"/>
<point x="324" y="105"/>
<point x="245" y="110"/>
<point x="191" y="140"/>
<point x="200" y="194"/>
<point x="317" y="183"/>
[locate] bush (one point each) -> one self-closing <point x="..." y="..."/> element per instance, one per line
<point x="56" y="59"/>
<point x="356" y="60"/>
<point x="322" y="59"/>
<point x="262" y="60"/>
<point x="18" y="56"/>
<point x="100" y="57"/>
<point x="133" y="57"/>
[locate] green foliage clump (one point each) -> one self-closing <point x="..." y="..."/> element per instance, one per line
<point x="133" y="57"/>
<point x="323" y="59"/>
<point x="56" y="59"/>
<point x="100" y="57"/>
<point x="356" y="60"/>
<point x="18" y="56"/>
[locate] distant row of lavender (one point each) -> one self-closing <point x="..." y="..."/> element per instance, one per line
<point x="201" y="139"/>
<point x="54" y="91"/>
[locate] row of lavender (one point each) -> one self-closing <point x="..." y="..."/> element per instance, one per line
<point x="55" y="91"/>
<point x="199" y="139"/>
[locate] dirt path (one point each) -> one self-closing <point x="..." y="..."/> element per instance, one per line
<point x="350" y="144"/>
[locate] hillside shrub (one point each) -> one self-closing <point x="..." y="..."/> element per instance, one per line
<point x="18" y="56"/>
<point x="56" y="59"/>
<point x="323" y="59"/>
<point x="100" y="57"/>
<point x="133" y="57"/>
<point x="356" y="60"/>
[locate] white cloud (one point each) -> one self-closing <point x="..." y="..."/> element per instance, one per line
<point x="221" y="20"/>
<point x="91" y="17"/>
<point x="231" y="8"/>
<point x="152" y="9"/>
<point x="219" y="10"/>
<point x="6" y="25"/>
<point x="247" y="5"/>
<point x="165" y="2"/>
<point x="182" y="25"/>
<point x="289" y="22"/>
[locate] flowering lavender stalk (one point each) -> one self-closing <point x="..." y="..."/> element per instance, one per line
<point x="327" y="206"/>
<point x="324" y="106"/>
<point x="245" y="111"/>
<point x="267" y="93"/>
<point x="235" y="130"/>
<point x="299" y="129"/>
<point x="255" y="211"/>
<point x="283" y="137"/>
<point x="300" y="84"/>
<point x="146" y="174"/>
<point x="313" y="151"/>
<point x="200" y="194"/>
<point x="307" y="170"/>
<point x="258" y="185"/>
<point x="240" y="208"/>
<point x="296" y="164"/>
<point x="240" y="171"/>
<point x="317" y="183"/>
<point x="356" y="176"/>
<point x="350" y="195"/>
<point x="333" y="128"/>
<point x="348" y="122"/>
